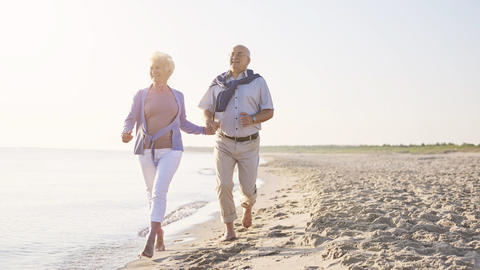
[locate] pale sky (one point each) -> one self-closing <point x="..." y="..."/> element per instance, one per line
<point x="340" y="72"/>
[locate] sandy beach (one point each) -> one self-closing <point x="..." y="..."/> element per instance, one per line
<point x="348" y="211"/>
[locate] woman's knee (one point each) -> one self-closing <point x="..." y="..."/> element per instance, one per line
<point x="159" y="194"/>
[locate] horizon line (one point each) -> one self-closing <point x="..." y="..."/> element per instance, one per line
<point x="465" y="144"/>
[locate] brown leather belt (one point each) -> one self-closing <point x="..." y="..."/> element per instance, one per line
<point x="241" y="139"/>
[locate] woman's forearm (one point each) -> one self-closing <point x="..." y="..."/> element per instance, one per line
<point x="131" y="118"/>
<point x="191" y="128"/>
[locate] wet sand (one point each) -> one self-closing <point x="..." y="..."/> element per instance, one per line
<point x="348" y="211"/>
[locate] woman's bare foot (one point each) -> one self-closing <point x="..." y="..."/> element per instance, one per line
<point x="155" y="227"/>
<point x="247" y="217"/>
<point x="148" y="250"/>
<point x="160" y="246"/>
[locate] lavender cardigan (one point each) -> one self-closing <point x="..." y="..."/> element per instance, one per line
<point x="137" y="117"/>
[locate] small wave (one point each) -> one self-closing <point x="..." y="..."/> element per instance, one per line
<point x="180" y="213"/>
<point x="206" y="171"/>
<point x="143" y="232"/>
<point x="262" y="162"/>
<point x="183" y="212"/>
<point x="101" y="256"/>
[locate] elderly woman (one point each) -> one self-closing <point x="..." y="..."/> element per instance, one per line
<point x="158" y="112"/>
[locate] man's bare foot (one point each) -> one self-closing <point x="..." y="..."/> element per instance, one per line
<point x="160" y="246"/>
<point x="230" y="232"/>
<point x="247" y="217"/>
<point x="229" y="237"/>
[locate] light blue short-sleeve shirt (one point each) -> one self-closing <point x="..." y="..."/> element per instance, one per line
<point x="250" y="98"/>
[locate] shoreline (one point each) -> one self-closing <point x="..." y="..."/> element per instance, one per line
<point x="347" y="211"/>
<point x="212" y="230"/>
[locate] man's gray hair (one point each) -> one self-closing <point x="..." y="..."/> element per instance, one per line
<point x="243" y="47"/>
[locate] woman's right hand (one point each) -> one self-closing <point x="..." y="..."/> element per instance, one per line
<point x="211" y="127"/>
<point x="126" y="137"/>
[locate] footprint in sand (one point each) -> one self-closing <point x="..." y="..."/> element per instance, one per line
<point x="259" y="211"/>
<point x="277" y="233"/>
<point x="268" y="253"/>
<point x="281" y="227"/>
<point x="280" y="214"/>
<point x="288" y="243"/>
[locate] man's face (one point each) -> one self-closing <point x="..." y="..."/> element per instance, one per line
<point x="239" y="59"/>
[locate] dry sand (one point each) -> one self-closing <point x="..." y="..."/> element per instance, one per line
<point x="348" y="211"/>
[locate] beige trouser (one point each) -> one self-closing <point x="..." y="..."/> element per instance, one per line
<point x="227" y="153"/>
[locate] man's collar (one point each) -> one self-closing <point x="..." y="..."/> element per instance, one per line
<point x="240" y="76"/>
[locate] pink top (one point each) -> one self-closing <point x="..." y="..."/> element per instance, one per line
<point x="136" y="119"/>
<point x="160" y="110"/>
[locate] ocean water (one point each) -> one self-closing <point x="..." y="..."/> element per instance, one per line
<point x="86" y="209"/>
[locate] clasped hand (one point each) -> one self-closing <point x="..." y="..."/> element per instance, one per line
<point x="211" y="127"/>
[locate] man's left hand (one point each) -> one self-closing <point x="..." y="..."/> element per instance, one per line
<point x="245" y="119"/>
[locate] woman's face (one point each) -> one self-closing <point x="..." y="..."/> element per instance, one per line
<point x="158" y="72"/>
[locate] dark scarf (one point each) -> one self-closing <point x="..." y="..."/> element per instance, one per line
<point x="226" y="95"/>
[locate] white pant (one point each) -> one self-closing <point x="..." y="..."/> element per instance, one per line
<point x="157" y="179"/>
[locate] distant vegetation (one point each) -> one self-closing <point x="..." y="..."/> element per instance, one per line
<point x="386" y="148"/>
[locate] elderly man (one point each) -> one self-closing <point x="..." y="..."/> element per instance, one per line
<point x="240" y="100"/>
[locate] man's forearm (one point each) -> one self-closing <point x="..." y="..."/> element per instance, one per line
<point x="208" y="115"/>
<point x="210" y="123"/>
<point x="263" y="116"/>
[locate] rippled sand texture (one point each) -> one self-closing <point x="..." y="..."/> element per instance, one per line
<point x="394" y="211"/>
<point x="389" y="211"/>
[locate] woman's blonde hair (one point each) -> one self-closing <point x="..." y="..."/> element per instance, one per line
<point x="164" y="60"/>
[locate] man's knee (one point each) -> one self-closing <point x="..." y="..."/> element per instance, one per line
<point x="224" y="186"/>
<point x="249" y="191"/>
